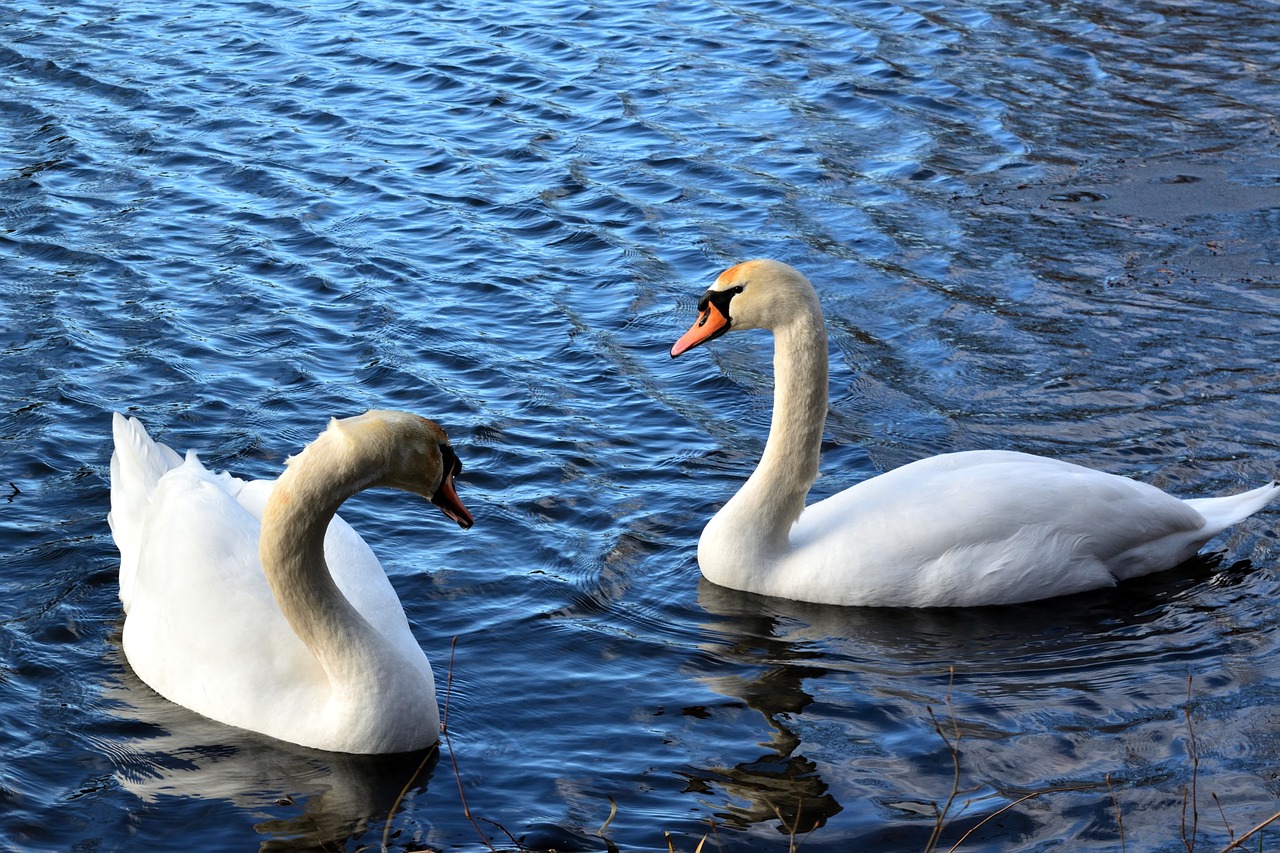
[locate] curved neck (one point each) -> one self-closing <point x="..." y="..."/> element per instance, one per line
<point x="291" y="548"/>
<point x="773" y="497"/>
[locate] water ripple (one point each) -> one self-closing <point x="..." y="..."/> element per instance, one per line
<point x="1050" y="229"/>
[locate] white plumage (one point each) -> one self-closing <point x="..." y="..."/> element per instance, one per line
<point x="960" y="529"/>
<point x="287" y="626"/>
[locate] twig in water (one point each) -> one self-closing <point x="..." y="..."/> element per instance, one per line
<point x="1230" y="833"/>
<point x="672" y="849"/>
<point x="453" y="759"/>
<point x="794" y="829"/>
<point x="1193" y="746"/>
<point x="995" y="813"/>
<point x="954" y="747"/>
<point x="1115" y="801"/>
<point x="386" y="830"/>
<point x="435" y="749"/>
<point x="1235" y="844"/>
<point x="1010" y="805"/>
<point x="613" y="811"/>
<point x="519" y="845"/>
<point x="702" y="842"/>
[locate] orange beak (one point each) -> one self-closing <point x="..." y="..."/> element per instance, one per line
<point x="712" y="324"/>
<point x="447" y="500"/>
<point x="446" y="497"/>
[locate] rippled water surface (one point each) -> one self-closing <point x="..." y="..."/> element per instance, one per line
<point x="1053" y="227"/>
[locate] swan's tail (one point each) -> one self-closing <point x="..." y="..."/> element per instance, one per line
<point x="1221" y="513"/>
<point x="137" y="464"/>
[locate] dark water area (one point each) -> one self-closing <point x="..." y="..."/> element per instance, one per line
<point x="1046" y="227"/>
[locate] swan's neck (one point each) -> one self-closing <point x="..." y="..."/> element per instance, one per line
<point x="291" y="547"/>
<point x="773" y="497"/>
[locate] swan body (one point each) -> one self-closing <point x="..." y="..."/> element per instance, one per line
<point x="254" y="604"/>
<point x="960" y="529"/>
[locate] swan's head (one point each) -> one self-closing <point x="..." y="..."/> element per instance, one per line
<point x="407" y="452"/>
<point x="759" y="294"/>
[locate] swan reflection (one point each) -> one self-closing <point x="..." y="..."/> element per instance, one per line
<point x="778" y="786"/>
<point x="866" y="702"/>
<point x="296" y="798"/>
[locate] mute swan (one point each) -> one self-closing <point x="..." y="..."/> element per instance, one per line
<point x="254" y="604"/>
<point x="961" y="529"/>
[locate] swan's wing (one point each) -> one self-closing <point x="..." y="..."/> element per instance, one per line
<point x="200" y="601"/>
<point x="998" y="527"/>
<point x="137" y="464"/>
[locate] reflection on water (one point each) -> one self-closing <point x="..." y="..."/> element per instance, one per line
<point x="298" y="799"/>
<point x="1048" y="677"/>
<point x="780" y="786"/>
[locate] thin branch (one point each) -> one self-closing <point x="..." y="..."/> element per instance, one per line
<point x="448" y="686"/>
<point x="954" y="747"/>
<point x="1235" y="844"/>
<point x="1217" y="802"/>
<point x="1194" y="747"/>
<point x="994" y="814"/>
<point x="506" y="832"/>
<point x="386" y="830"/>
<point x="671" y="848"/>
<point x="1115" y="801"/>
<point x="792" y="831"/>
<point x="613" y="812"/>
<point x="1010" y="805"/>
<point x="453" y="759"/>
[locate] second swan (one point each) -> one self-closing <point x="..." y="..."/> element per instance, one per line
<point x="961" y="529"/>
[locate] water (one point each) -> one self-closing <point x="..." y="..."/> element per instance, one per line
<point x="1052" y="229"/>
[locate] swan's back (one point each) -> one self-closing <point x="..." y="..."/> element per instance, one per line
<point x="997" y="527"/>
<point x="139" y="464"/>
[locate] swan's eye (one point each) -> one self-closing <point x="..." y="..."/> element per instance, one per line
<point x="720" y="300"/>
<point x="450" y="462"/>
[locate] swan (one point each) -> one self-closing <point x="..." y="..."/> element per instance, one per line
<point x="254" y="604"/>
<point x="962" y="529"/>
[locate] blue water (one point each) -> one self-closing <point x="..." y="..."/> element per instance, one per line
<point x="1047" y="227"/>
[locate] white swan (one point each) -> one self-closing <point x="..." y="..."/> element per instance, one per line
<point x="254" y="604"/>
<point x="960" y="529"/>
